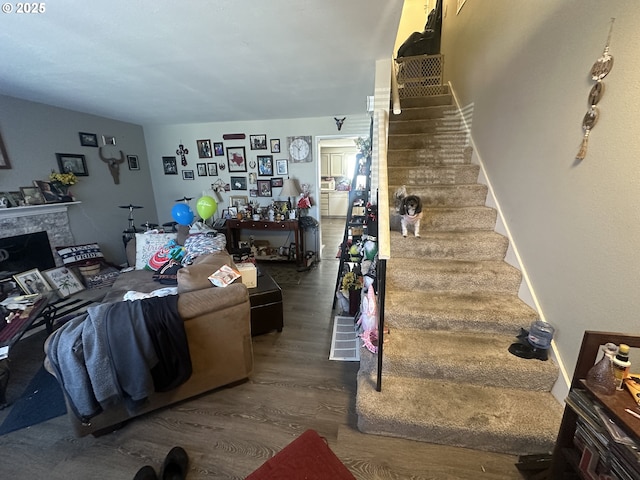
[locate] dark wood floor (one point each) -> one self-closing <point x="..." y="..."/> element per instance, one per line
<point x="231" y="432"/>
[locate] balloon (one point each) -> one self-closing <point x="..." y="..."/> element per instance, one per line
<point x="182" y="214"/>
<point x="206" y="207"/>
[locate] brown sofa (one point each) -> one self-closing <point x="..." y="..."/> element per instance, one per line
<point x="218" y="328"/>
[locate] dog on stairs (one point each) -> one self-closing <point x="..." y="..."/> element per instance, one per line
<point x="410" y="209"/>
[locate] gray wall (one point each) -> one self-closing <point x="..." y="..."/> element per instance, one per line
<point x="33" y="133"/>
<point x="576" y="226"/>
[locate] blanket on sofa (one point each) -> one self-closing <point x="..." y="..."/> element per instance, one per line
<point x="107" y="355"/>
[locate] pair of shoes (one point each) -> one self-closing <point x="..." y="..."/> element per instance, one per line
<point x="174" y="467"/>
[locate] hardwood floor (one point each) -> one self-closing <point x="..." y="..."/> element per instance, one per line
<point x="231" y="432"/>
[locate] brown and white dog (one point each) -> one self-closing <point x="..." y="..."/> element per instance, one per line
<point x="411" y="214"/>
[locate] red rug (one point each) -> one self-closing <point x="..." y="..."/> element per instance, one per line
<point x="307" y="457"/>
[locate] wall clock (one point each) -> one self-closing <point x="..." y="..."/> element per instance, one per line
<point x="300" y="149"/>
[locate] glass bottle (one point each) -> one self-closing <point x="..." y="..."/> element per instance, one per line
<point x="601" y="377"/>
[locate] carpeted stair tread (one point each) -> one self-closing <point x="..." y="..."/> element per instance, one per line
<point x="422" y="112"/>
<point x="444" y="98"/>
<point x="487" y="418"/>
<point x="419" y="140"/>
<point x="433" y="174"/>
<point x="462" y="245"/>
<point x="464" y="357"/>
<point x="428" y="125"/>
<point x="488" y="276"/>
<point x="457" y="195"/>
<point x="439" y="219"/>
<point x="424" y="157"/>
<point x="484" y="313"/>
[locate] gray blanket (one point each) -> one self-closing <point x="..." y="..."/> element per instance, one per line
<point x="103" y="358"/>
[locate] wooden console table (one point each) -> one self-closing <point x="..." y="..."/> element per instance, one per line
<point x="234" y="227"/>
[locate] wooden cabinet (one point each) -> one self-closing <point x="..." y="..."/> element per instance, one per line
<point x="333" y="165"/>
<point x="324" y="204"/>
<point x="334" y="203"/>
<point x="338" y="203"/>
<point x="583" y="433"/>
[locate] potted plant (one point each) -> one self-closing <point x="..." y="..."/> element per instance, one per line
<point x="351" y="289"/>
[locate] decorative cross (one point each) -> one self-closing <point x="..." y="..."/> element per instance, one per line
<point x="183" y="152"/>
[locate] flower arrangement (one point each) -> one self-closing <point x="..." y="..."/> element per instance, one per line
<point x="63" y="178"/>
<point x="62" y="182"/>
<point x="351" y="281"/>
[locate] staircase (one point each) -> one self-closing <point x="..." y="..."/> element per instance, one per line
<point x="452" y="307"/>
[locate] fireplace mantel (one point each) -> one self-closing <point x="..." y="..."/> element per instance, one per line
<point x="29" y="210"/>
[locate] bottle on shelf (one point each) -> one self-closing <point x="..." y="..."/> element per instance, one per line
<point x="601" y="377"/>
<point x="621" y="365"/>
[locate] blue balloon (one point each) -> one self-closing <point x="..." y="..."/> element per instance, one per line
<point x="182" y="214"/>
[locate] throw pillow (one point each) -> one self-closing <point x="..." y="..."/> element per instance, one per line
<point x="170" y="251"/>
<point x="147" y="244"/>
<point x="202" y="244"/>
<point x="77" y="255"/>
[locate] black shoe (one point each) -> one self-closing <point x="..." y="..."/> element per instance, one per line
<point x="146" y="473"/>
<point x="175" y="465"/>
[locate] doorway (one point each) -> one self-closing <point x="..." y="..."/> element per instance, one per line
<point x="336" y="167"/>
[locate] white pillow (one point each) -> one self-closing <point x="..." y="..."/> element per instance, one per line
<point x="147" y="244"/>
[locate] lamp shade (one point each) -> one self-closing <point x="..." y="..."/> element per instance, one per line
<point x="289" y="188"/>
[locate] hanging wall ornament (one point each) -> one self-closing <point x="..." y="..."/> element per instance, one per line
<point x="183" y="154"/>
<point x="599" y="70"/>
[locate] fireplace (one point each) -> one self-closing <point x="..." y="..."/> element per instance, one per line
<point x="25" y="252"/>
<point x="51" y="219"/>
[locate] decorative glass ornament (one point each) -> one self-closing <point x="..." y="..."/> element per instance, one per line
<point x="601" y="377"/>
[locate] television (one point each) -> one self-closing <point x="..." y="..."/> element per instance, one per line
<point x="25" y="252"/>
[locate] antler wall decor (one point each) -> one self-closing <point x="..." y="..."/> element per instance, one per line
<point x="114" y="165"/>
<point x="339" y="122"/>
<point x="599" y="70"/>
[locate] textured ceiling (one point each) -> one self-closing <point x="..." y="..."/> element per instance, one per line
<point x="165" y="62"/>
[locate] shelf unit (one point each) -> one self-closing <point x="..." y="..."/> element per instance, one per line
<point x="580" y="434"/>
<point x="356" y="222"/>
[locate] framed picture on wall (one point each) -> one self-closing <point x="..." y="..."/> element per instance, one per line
<point x="212" y="169"/>
<point x="202" y="169"/>
<point x="71" y="163"/>
<point x="275" y="145"/>
<point x="4" y="158"/>
<point x="265" y="165"/>
<point x="88" y="139"/>
<point x="264" y="188"/>
<point x="170" y="165"/>
<point x="238" y="183"/>
<point x="258" y="142"/>
<point x="282" y="167"/>
<point x="218" y="149"/>
<point x="277" y="182"/>
<point x="236" y="159"/>
<point x="204" y="148"/>
<point x="187" y="175"/>
<point x="133" y="162"/>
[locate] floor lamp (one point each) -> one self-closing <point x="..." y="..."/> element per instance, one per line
<point x="290" y="189"/>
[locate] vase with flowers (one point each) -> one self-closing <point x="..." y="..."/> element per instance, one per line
<point x="62" y="182"/>
<point x="351" y="291"/>
<point x="304" y="204"/>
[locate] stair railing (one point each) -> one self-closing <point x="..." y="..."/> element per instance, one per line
<point x="379" y="163"/>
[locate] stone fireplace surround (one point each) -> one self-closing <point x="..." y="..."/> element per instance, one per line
<point x="52" y="218"/>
